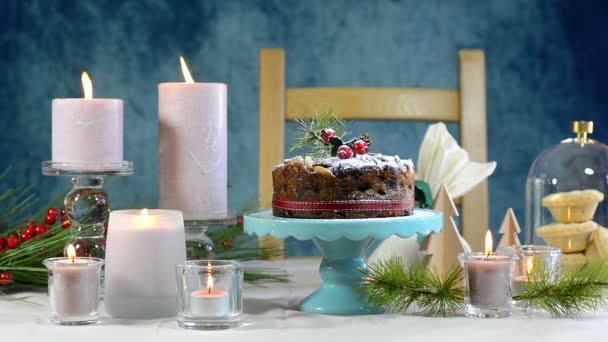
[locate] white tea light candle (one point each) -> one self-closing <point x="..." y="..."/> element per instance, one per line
<point x="143" y="248"/>
<point x="193" y="147"/>
<point x="87" y="133"/>
<point x="210" y="302"/>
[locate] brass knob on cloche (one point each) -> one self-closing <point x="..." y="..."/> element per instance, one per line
<point x="582" y="128"/>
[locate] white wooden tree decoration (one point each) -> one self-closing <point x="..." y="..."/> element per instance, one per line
<point x="441" y="250"/>
<point x="509" y="229"/>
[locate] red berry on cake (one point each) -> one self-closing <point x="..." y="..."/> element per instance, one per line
<point x="360" y="147"/>
<point x="327" y="133"/>
<point x="344" y="152"/>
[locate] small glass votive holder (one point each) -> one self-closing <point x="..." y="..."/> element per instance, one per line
<point x="487" y="282"/>
<point x="74" y="290"/>
<point x="209" y="294"/>
<point x="545" y="260"/>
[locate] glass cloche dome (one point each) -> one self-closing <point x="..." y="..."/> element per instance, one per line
<point x="565" y="205"/>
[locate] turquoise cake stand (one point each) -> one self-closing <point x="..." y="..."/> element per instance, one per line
<point x="343" y="244"/>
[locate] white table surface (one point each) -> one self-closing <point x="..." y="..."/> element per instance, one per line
<point x="271" y="315"/>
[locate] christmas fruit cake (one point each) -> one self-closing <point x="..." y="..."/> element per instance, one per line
<point x="347" y="183"/>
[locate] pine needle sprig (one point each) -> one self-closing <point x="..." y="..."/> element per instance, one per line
<point x="582" y="290"/>
<point x="387" y="285"/>
<point x="322" y="117"/>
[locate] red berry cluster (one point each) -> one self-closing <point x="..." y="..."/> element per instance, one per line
<point x="6" y="278"/>
<point x="32" y="229"/>
<point x="345" y="150"/>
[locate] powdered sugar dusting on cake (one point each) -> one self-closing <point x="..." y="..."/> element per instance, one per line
<point x="362" y="160"/>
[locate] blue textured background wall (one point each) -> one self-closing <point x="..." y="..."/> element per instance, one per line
<point x="545" y="64"/>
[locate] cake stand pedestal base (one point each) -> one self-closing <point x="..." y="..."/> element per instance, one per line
<point x="343" y="244"/>
<point x="339" y="272"/>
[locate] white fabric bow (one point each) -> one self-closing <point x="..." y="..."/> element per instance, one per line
<point x="440" y="160"/>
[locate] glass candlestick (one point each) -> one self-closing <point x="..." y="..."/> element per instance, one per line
<point x="87" y="205"/>
<point x="487" y="282"/>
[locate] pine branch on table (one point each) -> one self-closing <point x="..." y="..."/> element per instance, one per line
<point x="387" y="285"/>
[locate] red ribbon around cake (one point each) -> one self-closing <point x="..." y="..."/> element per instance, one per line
<point x="354" y="205"/>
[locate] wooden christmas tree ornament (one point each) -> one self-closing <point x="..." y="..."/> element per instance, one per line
<point x="509" y="229"/>
<point x="441" y="250"/>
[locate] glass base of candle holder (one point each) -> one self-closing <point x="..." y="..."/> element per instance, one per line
<point x="473" y="311"/>
<point x="74" y="320"/>
<point x="198" y="244"/>
<point x="208" y="323"/>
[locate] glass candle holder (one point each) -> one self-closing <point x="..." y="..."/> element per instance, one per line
<point x="209" y="294"/>
<point x="534" y="259"/>
<point x="487" y="281"/>
<point x="74" y="290"/>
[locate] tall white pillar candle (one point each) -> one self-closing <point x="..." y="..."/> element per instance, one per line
<point x="87" y="132"/>
<point x="143" y="248"/>
<point x="193" y="148"/>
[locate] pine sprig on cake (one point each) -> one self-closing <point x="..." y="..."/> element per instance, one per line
<point x="323" y="135"/>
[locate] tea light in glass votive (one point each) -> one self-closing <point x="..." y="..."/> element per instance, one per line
<point x="74" y="289"/>
<point x="209" y="294"/>
<point x="487" y="282"/>
<point x="209" y="302"/>
<point x="534" y="259"/>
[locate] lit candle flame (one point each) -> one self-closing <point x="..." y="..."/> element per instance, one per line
<point x="185" y="70"/>
<point x="489" y="243"/>
<point x="144" y="212"/>
<point x="71" y="252"/>
<point x="209" y="277"/>
<point x="87" y="85"/>
<point x="529" y="265"/>
<point x="210" y="282"/>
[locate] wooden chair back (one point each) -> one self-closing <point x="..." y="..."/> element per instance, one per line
<point x="465" y="106"/>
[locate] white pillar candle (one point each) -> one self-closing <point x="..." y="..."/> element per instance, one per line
<point x="87" y="132"/>
<point x="193" y="148"/>
<point x="209" y="304"/>
<point x="143" y="248"/>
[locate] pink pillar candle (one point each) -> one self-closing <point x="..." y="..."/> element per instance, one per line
<point x="193" y="148"/>
<point x="87" y="132"/>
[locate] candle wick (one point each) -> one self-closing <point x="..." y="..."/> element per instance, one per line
<point x="72" y="259"/>
<point x="487" y="256"/>
<point x="209" y="290"/>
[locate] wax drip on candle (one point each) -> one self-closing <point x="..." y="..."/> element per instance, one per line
<point x="489" y="243"/>
<point x="87" y="85"/>
<point x="71" y="252"/>
<point x="185" y="70"/>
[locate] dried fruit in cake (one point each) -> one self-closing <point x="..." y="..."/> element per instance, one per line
<point x="573" y="206"/>
<point x="569" y="237"/>
<point x="363" y="186"/>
